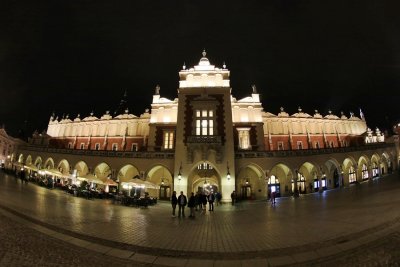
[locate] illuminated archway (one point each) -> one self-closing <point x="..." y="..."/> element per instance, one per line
<point x="38" y="162"/>
<point x="349" y="170"/>
<point x="63" y="167"/>
<point x="363" y="168"/>
<point x="307" y="178"/>
<point x="282" y="180"/>
<point x="375" y="165"/>
<point x="160" y="175"/>
<point x="28" y="160"/>
<point x="204" y="178"/>
<point x="102" y="171"/>
<point x="250" y="182"/>
<point x="81" y="168"/>
<point x="21" y="158"/>
<point x="331" y="169"/>
<point x="49" y="164"/>
<point x="127" y="173"/>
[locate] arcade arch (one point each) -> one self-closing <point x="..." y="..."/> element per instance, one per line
<point x="49" y="164"/>
<point x="349" y="171"/>
<point x="63" y="167"/>
<point x="162" y="177"/>
<point x="307" y="178"/>
<point x="375" y="166"/>
<point x="331" y="170"/>
<point x="204" y="178"/>
<point x="102" y="171"/>
<point x="28" y="160"/>
<point x="363" y="168"/>
<point x="127" y="173"/>
<point x="38" y="162"/>
<point x="250" y="182"/>
<point x="279" y="180"/>
<point x="81" y="168"/>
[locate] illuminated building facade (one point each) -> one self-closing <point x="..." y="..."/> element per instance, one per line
<point x="207" y="140"/>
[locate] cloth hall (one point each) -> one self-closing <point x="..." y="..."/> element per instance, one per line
<point x="207" y="140"/>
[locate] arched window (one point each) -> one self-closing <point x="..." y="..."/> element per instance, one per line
<point x="375" y="170"/>
<point x="364" y="172"/>
<point x="301" y="183"/>
<point x="352" y="175"/>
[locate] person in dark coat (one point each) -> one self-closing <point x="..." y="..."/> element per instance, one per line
<point x="174" y="202"/>
<point x="204" y="200"/>
<point x="211" y="199"/>
<point x="182" y="202"/>
<point x="233" y="197"/>
<point x="191" y="205"/>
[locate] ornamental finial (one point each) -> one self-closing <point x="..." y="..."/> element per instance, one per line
<point x="204" y="52"/>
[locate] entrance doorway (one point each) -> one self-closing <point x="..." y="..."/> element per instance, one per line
<point x="274" y="186"/>
<point x="336" y="182"/>
<point x="246" y="192"/>
<point x="165" y="192"/>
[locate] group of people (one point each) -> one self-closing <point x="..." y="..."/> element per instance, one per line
<point x="195" y="202"/>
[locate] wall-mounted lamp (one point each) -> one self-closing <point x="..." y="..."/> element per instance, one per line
<point x="228" y="175"/>
<point x="179" y="173"/>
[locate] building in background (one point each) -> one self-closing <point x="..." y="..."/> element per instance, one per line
<point x="207" y="140"/>
<point x="8" y="146"/>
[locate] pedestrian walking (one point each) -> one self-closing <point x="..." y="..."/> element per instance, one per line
<point x="204" y="201"/>
<point x="197" y="201"/>
<point x="182" y="202"/>
<point x="218" y="198"/>
<point x="211" y="199"/>
<point x="191" y="205"/>
<point x="233" y="197"/>
<point x="174" y="202"/>
<point x="273" y="195"/>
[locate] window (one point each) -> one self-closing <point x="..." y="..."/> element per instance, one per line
<point x="280" y="145"/>
<point x="204" y="122"/>
<point x="204" y="166"/>
<point x="134" y="147"/>
<point x="168" y="140"/>
<point x="69" y="145"/>
<point x="299" y="145"/>
<point x="82" y="145"/>
<point x="244" y="138"/>
<point x="332" y="144"/>
<point x="352" y="175"/>
<point x="364" y="172"/>
<point x="316" y="144"/>
<point x="375" y="170"/>
<point x="273" y="184"/>
<point x="97" y="146"/>
<point x="114" y="147"/>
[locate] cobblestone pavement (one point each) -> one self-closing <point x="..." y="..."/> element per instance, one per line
<point x="337" y="227"/>
<point x="22" y="246"/>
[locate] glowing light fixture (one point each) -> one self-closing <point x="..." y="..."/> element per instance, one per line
<point x="228" y="175"/>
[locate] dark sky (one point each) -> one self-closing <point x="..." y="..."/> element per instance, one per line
<point x="77" y="56"/>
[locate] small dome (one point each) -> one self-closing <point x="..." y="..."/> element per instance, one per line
<point x="204" y="61"/>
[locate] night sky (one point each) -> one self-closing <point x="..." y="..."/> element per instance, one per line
<point x="74" y="57"/>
